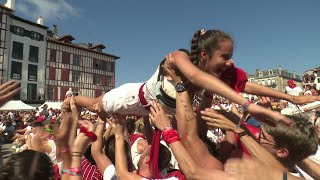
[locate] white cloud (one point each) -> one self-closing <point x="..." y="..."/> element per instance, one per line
<point x="48" y="9"/>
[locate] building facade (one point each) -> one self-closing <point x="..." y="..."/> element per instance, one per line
<point x="27" y="54"/>
<point x="82" y="68"/>
<point x="311" y="78"/>
<point x="5" y="14"/>
<point x="48" y="65"/>
<point x="273" y="78"/>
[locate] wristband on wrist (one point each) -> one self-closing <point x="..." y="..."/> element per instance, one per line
<point x="89" y="134"/>
<point x="75" y="172"/>
<point x="170" y="136"/>
<point x="246" y="105"/>
<point x="64" y="171"/>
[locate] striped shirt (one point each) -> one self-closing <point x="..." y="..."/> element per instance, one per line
<point x="90" y="171"/>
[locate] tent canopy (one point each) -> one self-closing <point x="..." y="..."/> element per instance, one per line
<point x="16" y="105"/>
<point x="53" y="105"/>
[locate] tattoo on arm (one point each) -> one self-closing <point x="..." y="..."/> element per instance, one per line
<point x="187" y="108"/>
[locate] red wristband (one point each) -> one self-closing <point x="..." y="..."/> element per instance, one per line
<point x="246" y="105"/>
<point x="170" y="136"/>
<point x="75" y="171"/>
<point x="89" y="134"/>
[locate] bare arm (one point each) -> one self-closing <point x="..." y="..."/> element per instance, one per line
<point x="310" y="167"/>
<point x="259" y="90"/>
<point x="121" y="159"/>
<point x="181" y="62"/>
<point x="215" y="119"/>
<point x="96" y="149"/>
<point x="186" y="163"/>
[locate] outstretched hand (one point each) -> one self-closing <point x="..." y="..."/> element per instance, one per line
<point x="215" y="119"/>
<point x="8" y="90"/>
<point x="117" y="123"/>
<point x="304" y="99"/>
<point x="268" y="116"/>
<point x="158" y="117"/>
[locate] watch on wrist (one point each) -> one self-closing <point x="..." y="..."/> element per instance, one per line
<point x="180" y="87"/>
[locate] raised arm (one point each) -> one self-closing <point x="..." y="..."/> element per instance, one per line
<point x="121" y="158"/>
<point x="186" y="163"/>
<point x="99" y="157"/>
<point x="215" y="119"/>
<point x="259" y="90"/>
<point x="181" y="62"/>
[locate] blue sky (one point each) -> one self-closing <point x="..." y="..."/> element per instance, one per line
<point x="266" y="33"/>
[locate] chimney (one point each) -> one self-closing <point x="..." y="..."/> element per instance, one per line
<point x="40" y="20"/>
<point x="55" y="29"/>
<point x="10" y="4"/>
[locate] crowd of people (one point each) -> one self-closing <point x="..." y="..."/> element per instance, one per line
<point x="188" y="121"/>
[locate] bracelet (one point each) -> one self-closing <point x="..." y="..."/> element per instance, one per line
<point x="243" y="133"/>
<point x="89" y="134"/>
<point x="76" y="155"/>
<point x="170" y="136"/>
<point x="246" y="105"/>
<point x="64" y="171"/>
<point x="75" y="172"/>
<point x="285" y="176"/>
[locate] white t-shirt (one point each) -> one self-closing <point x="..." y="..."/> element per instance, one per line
<point x="110" y="173"/>
<point x="293" y="91"/>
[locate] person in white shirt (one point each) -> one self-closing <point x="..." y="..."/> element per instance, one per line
<point x="294" y="90"/>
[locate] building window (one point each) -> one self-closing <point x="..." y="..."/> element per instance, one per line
<point x="65" y="58"/>
<point x="97" y="79"/>
<point x="270" y="72"/>
<point x="16" y="68"/>
<point x="32" y="91"/>
<point x="53" y="54"/>
<point x="98" y="64"/>
<point x="75" y="76"/>
<point x="17" y="30"/>
<point x="76" y="60"/>
<point x="35" y="36"/>
<point x="108" y="66"/>
<point x="50" y="93"/>
<point x="75" y="92"/>
<point x="32" y="72"/>
<point x="17" y="50"/>
<point x="260" y="74"/>
<point x="109" y="81"/>
<point x="33" y="54"/>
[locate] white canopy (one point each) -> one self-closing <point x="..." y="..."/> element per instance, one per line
<point x="16" y="105"/>
<point x="53" y="105"/>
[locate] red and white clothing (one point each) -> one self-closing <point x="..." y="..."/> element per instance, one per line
<point x="125" y="99"/>
<point x="89" y="171"/>
<point x="135" y="155"/>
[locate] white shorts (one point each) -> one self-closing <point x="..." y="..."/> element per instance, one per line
<point x="125" y="100"/>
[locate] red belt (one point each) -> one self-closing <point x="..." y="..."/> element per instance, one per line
<point x="142" y="99"/>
